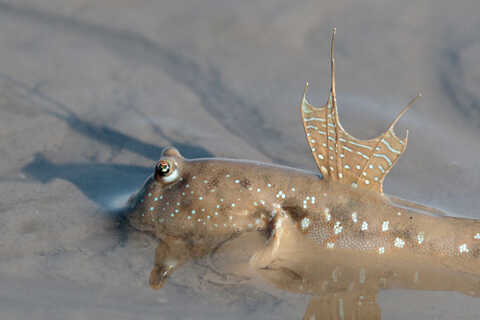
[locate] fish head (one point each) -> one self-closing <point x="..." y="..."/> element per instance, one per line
<point x="146" y="209"/>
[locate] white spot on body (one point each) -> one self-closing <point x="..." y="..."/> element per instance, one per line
<point x="364" y="226"/>
<point x="463" y="248"/>
<point x="420" y="237"/>
<point x="381" y="250"/>
<point x="304" y="224"/>
<point x="337" y="228"/>
<point x="330" y="245"/>
<point x="327" y="214"/>
<point x="385" y="225"/>
<point x="477" y="236"/>
<point x="399" y="243"/>
<point x="354" y="217"/>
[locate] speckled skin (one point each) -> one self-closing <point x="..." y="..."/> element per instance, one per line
<point x="213" y="200"/>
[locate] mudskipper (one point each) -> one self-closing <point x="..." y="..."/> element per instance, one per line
<point x="338" y="235"/>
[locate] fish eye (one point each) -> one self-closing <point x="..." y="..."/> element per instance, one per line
<point x="163" y="168"/>
<point x="166" y="171"/>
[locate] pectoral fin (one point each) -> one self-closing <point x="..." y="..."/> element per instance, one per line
<point x="169" y="255"/>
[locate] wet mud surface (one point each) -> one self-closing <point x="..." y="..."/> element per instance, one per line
<point x="91" y="92"/>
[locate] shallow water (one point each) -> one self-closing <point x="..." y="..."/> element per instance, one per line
<point x="90" y="93"/>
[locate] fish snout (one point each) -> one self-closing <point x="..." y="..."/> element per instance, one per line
<point x="135" y="214"/>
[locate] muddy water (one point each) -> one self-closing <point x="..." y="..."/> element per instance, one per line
<point x="90" y="93"/>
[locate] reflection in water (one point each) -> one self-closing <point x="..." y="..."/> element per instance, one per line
<point x="344" y="284"/>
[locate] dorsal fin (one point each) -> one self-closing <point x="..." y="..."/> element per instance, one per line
<point x="339" y="155"/>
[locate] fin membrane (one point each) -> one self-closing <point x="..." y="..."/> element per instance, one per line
<point x="339" y="155"/>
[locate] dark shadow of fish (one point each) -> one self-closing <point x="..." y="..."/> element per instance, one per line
<point x="103" y="183"/>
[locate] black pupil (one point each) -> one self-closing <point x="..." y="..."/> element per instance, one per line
<point x="164" y="167"/>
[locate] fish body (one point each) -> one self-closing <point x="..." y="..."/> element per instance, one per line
<point x="209" y="201"/>
<point x="335" y="230"/>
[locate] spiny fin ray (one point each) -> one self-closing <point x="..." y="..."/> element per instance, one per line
<point x="339" y="155"/>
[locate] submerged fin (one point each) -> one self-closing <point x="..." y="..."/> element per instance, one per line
<point x="417" y="206"/>
<point x="344" y="305"/>
<point x="339" y="155"/>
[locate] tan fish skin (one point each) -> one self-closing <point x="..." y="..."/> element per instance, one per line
<point x="195" y="205"/>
